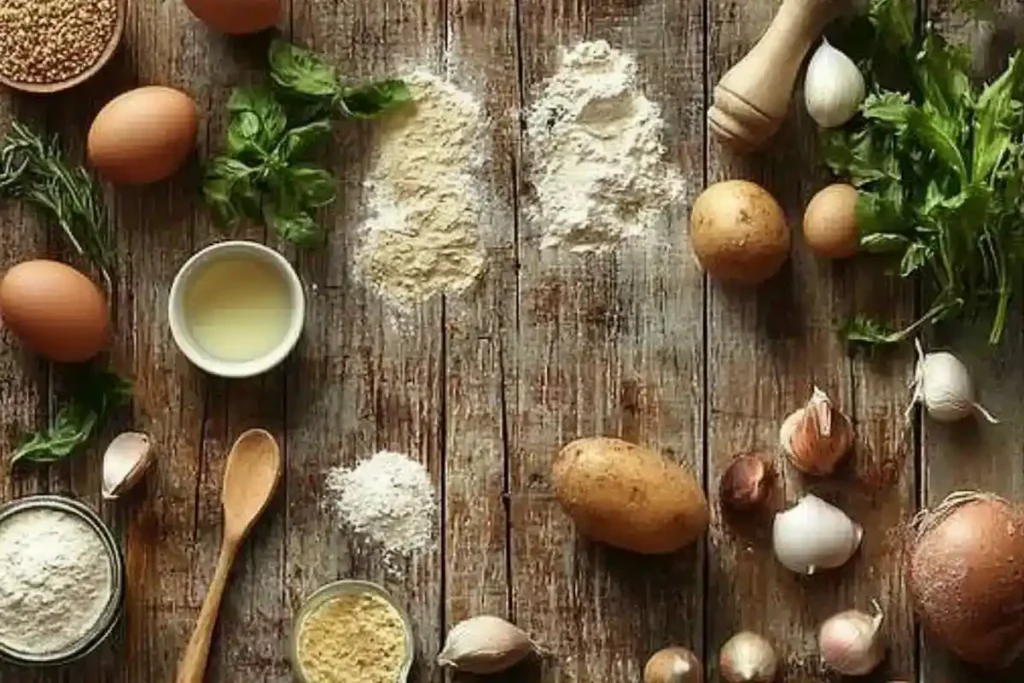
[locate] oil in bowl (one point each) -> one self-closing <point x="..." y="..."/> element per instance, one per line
<point x="352" y="632"/>
<point x="236" y="309"/>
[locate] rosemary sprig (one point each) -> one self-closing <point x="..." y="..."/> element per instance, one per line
<point x="34" y="170"/>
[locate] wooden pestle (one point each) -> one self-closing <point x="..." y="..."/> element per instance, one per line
<point x="752" y="98"/>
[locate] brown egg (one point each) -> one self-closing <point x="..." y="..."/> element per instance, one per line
<point x="236" y="17"/>
<point x="143" y="135"/>
<point x="830" y="222"/>
<point x="54" y="310"/>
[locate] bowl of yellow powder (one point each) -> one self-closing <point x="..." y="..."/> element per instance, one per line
<point x="352" y="632"/>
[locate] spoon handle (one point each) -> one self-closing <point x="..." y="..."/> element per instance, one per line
<point x="193" y="664"/>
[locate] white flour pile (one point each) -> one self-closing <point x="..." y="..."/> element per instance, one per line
<point x="426" y="197"/>
<point x="55" y="580"/>
<point x="387" y="500"/>
<point x="596" y="154"/>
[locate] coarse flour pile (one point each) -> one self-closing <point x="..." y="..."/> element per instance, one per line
<point x="55" y="580"/>
<point x="389" y="501"/>
<point x="596" y="153"/>
<point x="426" y="195"/>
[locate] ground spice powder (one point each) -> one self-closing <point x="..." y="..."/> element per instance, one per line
<point x="47" y="41"/>
<point x="352" y="639"/>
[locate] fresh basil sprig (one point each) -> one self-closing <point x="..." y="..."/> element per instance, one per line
<point x="95" y="394"/>
<point x="302" y="75"/>
<point x="267" y="172"/>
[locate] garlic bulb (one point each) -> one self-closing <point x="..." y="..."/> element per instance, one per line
<point x="818" y="436"/>
<point x="485" y="645"/>
<point x="851" y="643"/>
<point x="814" y="535"/>
<point x="834" y="87"/>
<point x="124" y="462"/>
<point x="748" y="658"/>
<point x="943" y="385"/>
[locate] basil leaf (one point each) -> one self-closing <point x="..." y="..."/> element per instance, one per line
<point x="300" y="143"/>
<point x="229" y="189"/>
<point x="264" y="117"/>
<point x="314" y="187"/>
<point x="96" y="393"/>
<point x="301" y="72"/>
<point x="375" y="99"/>
<point x="285" y="215"/>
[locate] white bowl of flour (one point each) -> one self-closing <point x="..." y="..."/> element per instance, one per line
<point x="61" y="581"/>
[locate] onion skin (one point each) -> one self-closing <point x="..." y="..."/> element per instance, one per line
<point x="965" y="575"/>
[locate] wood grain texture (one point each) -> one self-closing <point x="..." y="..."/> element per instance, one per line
<point x="484" y="388"/>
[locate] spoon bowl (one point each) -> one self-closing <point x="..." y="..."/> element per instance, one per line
<point x="250" y="478"/>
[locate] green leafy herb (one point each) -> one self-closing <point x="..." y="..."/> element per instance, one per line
<point x="95" y="394"/>
<point x="939" y="164"/>
<point x="267" y="172"/>
<point x="33" y="169"/>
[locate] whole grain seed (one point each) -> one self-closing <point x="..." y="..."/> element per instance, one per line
<point x="47" y="41"/>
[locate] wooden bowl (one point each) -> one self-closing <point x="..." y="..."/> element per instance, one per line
<point x="105" y="56"/>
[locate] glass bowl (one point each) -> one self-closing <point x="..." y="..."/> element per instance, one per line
<point x="111" y="614"/>
<point x="350" y="587"/>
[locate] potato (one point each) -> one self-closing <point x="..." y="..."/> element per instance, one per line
<point x="629" y="496"/>
<point x="738" y="232"/>
<point x="830" y="222"/>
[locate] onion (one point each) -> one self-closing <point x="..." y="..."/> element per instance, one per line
<point x="965" y="574"/>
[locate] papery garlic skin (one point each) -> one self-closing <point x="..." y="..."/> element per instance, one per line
<point x="851" y="642"/>
<point x="818" y="437"/>
<point x="943" y="385"/>
<point x="834" y="87"/>
<point x="813" y="535"/>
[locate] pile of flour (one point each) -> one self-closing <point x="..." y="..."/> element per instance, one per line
<point x="426" y="195"/>
<point x="596" y="154"/>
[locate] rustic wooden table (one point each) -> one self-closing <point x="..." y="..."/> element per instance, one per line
<point x="486" y="388"/>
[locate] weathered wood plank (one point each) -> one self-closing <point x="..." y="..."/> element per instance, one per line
<point x="479" y="328"/>
<point x="975" y="455"/>
<point x="787" y="354"/>
<point x="608" y="345"/>
<point x="360" y="383"/>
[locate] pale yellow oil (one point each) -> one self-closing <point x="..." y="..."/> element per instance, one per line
<point x="237" y="309"/>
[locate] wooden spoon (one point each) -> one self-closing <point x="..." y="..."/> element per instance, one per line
<point x="250" y="477"/>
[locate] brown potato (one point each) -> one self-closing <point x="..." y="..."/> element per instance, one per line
<point x="738" y="232"/>
<point x="629" y="496"/>
<point x="830" y="222"/>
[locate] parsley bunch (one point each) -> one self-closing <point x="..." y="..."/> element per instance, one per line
<point x="267" y="172"/>
<point x="939" y="163"/>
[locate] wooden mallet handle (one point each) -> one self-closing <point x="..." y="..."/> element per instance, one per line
<point x="753" y="97"/>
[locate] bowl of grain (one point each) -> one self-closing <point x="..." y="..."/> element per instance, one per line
<point x="51" y="45"/>
<point x="352" y="631"/>
<point x="61" y="581"/>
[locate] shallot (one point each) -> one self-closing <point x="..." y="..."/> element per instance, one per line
<point x="814" y="535"/>
<point x="943" y="385"/>
<point x="818" y="436"/>
<point x="851" y="642"/>
<point x="748" y="658"/>
<point x="747" y="483"/>
<point x="673" y="665"/>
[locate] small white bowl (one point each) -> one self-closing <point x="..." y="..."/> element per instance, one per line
<point x="180" y="329"/>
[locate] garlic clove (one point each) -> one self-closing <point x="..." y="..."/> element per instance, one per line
<point x="851" y="642"/>
<point x="125" y="462"/>
<point x="814" y="535"/>
<point x="834" y="87"/>
<point x="943" y="385"/>
<point x="485" y="645"/>
<point x="748" y="658"/>
<point x="818" y="437"/>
